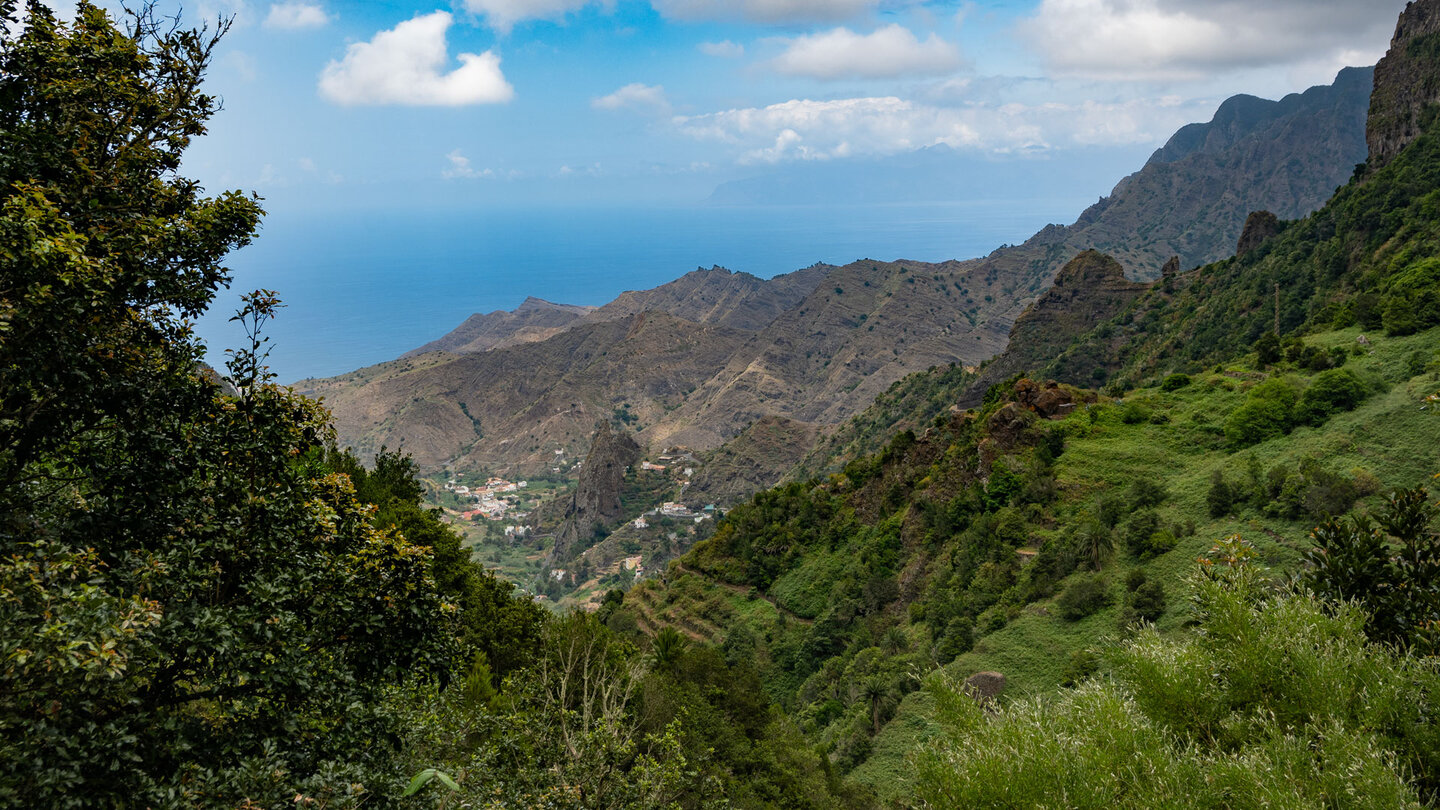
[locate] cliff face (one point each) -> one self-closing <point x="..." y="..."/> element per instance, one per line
<point x="1407" y="82"/>
<point x="597" y="493"/>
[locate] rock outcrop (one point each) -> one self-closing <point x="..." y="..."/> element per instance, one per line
<point x="1407" y="83"/>
<point x="596" y="500"/>
<point x="1090" y="289"/>
<point x="1260" y="227"/>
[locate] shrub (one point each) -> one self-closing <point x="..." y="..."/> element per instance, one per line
<point x="1146" y="492"/>
<point x="1221" y="497"/>
<point x="1266" y="414"/>
<point x="1139" y="531"/>
<point x="1084" y="595"/>
<point x="1175" y="382"/>
<point x="1330" y="392"/>
<point x="1133" y="413"/>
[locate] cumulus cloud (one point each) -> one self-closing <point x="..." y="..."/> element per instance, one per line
<point x="885" y="54"/>
<point x="294" y="16"/>
<point x="403" y="66"/>
<point x="724" y="49"/>
<point x="765" y="11"/>
<point x="1157" y="39"/>
<point x="502" y="15"/>
<point x="641" y="97"/>
<point x="805" y="129"/>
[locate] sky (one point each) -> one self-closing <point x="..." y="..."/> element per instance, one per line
<point x="474" y="103"/>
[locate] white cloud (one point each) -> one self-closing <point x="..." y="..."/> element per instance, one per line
<point x="765" y="11"/>
<point x="460" y="168"/>
<point x="402" y="66"/>
<point x="642" y="97"/>
<point x="1159" y="39"/>
<point x="804" y="129"/>
<point x="502" y="15"/>
<point x="887" y="53"/>
<point x="294" y="16"/>
<point x="724" y="49"/>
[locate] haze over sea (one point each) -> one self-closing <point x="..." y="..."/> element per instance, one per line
<point x="362" y="288"/>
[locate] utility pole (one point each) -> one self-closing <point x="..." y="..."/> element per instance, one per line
<point x="1277" y="309"/>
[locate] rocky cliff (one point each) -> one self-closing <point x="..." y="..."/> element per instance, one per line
<point x="596" y="500"/>
<point x="1407" y="83"/>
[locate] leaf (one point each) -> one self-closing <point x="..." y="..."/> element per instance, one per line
<point x="421" y="780"/>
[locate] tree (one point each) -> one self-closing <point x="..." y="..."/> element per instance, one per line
<point x="1354" y="560"/>
<point x="192" y="611"/>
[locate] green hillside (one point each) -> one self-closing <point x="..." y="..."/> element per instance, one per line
<point x="1257" y="397"/>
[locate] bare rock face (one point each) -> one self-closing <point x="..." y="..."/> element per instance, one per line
<point x="1260" y="227"/>
<point x="1406" y="83"/>
<point x="1171" y="268"/>
<point x="597" y="495"/>
<point x="985" y="687"/>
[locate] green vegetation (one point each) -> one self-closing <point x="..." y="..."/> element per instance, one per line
<point x="204" y="603"/>
<point x="1259" y="706"/>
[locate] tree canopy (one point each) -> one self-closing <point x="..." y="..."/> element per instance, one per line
<point x="193" y="610"/>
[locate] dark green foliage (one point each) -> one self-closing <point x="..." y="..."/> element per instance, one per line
<point x="1330" y="392"/>
<point x="1133" y="413"/>
<point x="1145" y="535"/>
<point x="1144" y="600"/>
<point x="493" y="618"/>
<point x="1353" y="559"/>
<point x="193" y="611"/>
<point x="1145" y="493"/>
<point x="1417" y="362"/>
<point x="1082" y="664"/>
<point x="1175" y="382"/>
<point x="1412" y="302"/>
<point x="1268" y="412"/>
<point x="1085" y="594"/>
<point x="1221" y="497"/>
<point x="1267" y="349"/>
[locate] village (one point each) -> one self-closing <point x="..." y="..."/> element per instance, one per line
<point x="493" y="500"/>
<point x="502" y="520"/>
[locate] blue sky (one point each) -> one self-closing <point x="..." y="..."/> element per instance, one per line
<point x="452" y="103"/>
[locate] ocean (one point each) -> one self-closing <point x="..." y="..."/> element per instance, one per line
<point x="362" y="288"/>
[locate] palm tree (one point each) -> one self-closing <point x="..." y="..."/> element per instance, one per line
<point x="668" y="647"/>
<point x="878" y="692"/>
<point x="1095" y="540"/>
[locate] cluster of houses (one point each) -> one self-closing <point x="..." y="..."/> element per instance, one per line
<point x="678" y="511"/>
<point x="492" y="501"/>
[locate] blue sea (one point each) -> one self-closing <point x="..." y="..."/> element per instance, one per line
<point x="362" y="288"/>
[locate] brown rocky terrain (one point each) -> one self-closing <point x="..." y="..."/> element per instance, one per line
<point x="719" y="296"/>
<point x="535" y="319"/>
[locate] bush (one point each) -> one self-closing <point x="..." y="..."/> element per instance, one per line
<point x="1145" y="492"/>
<point x="1133" y="413"/>
<point x="1175" y="382"/>
<point x="1144" y="600"/>
<point x="1268" y="412"/>
<point x="1221" y="497"/>
<point x="1330" y="392"/>
<point x="1084" y="595"/>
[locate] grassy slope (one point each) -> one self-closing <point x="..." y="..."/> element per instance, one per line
<point x="1394" y="435"/>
